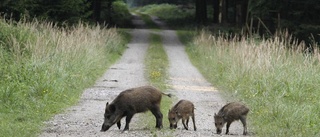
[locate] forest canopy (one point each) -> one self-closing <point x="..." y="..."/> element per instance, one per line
<point x="301" y="18"/>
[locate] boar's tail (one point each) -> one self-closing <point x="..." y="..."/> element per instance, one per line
<point x="169" y="95"/>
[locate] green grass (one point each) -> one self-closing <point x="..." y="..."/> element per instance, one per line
<point x="157" y="63"/>
<point x="186" y="36"/>
<point x="279" y="84"/>
<point x="156" y="71"/>
<point x="44" y="69"/>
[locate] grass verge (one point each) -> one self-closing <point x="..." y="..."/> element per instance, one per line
<point x="44" y="69"/>
<point x="157" y="65"/>
<point x="279" y="84"/>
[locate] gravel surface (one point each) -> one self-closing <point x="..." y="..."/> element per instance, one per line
<point x="85" y="118"/>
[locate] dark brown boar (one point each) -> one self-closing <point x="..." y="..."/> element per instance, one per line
<point x="184" y="109"/>
<point x="130" y="102"/>
<point x="229" y="113"/>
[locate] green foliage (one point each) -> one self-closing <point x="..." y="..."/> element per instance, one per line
<point x="301" y="18"/>
<point x="149" y="22"/>
<point x="14" y="8"/>
<point x="63" y="11"/>
<point x="259" y="7"/>
<point x="186" y="36"/>
<point x="171" y="14"/>
<point x="164" y="11"/>
<point x="137" y="3"/>
<point x="71" y="11"/>
<point x="278" y="84"/>
<point x="126" y="36"/>
<point x="121" y="15"/>
<point x="58" y="66"/>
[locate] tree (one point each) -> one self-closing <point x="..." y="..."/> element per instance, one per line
<point x="301" y="18"/>
<point x="96" y="9"/>
<point x="69" y="11"/>
<point x="15" y="8"/>
<point x="216" y="11"/>
<point x="201" y="11"/>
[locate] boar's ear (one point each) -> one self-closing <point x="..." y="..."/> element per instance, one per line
<point x="107" y="104"/>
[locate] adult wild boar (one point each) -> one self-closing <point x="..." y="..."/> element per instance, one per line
<point x="229" y="113"/>
<point x="182" y="110"/>
<point x="130" y="102"/>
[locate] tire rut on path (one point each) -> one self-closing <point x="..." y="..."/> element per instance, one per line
<point x="85" y="119"/>
<point x="188" y="83"/>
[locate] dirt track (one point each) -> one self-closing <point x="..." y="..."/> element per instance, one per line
<point x="85" y="119"/>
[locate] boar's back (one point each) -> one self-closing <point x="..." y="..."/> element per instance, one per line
<point x="138" y="99"/>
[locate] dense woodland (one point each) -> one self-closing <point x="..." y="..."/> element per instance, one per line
<point x="301" y="18"/>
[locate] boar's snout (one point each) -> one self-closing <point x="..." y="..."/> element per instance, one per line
<point x="173" y="126"/>
<point x="104" y="128"/>
<point x="219" y="131"/>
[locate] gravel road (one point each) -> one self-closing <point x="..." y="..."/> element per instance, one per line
<point x="85" y="118"/>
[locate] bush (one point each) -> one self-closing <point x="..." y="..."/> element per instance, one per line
<point x="121" y="15"/>
<point x="171" y="14"/>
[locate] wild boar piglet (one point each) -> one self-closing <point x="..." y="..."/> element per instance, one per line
<point x="182" y="110"/>
<point x="229" y="113"/>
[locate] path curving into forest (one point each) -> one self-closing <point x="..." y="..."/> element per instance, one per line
<point x="85" y="118"/>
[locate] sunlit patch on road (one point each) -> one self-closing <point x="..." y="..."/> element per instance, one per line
<point x="194" y="88"/>
<point x="187" y="79"/>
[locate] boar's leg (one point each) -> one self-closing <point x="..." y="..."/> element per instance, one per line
<point x="244" y="123"/>
<point x="228" y="125"/>
<point x="157" y="113"/>
<point x="194" y="124"/>
<point x="183" y="122"/>
<point x="119" y="124"/>
<point x="128" y="119"/>
<point x="187" y="122"/>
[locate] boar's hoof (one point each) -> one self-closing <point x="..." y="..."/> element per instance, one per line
<point x="119" y="125"/>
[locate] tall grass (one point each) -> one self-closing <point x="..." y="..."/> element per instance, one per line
<point x="274" y="77"/>
<point x="44" y="69"/>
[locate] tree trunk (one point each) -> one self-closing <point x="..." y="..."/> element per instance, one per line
<point x="216" y="11"/>
<point x="224" y="12"/>
<point x="201" y="11"/>
<point x="110" y="11"/>
<point x="96" y="7"/>
<point x="244" y="11"/>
